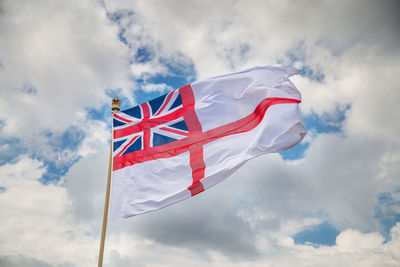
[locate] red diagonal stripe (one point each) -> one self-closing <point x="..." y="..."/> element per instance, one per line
<point x="121" y="118"/>
<point x="174" y="131"/>
<point x="127" y="145"/>
<point x="165" y="103"/>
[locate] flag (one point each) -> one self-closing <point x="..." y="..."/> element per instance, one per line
<point x="182" y="143"/>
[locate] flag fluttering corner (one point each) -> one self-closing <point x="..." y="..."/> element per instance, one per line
<point x="179" y="144"/>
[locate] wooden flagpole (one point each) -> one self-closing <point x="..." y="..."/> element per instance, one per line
<point x="115" y="106"/>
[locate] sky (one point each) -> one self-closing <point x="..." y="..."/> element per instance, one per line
<point x="333" y="200"/>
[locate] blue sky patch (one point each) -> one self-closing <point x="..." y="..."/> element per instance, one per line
<point x="386" y="211"/>
<point x="296" y="152"/>
<point x="179" y="73"/>
<point x="66" y="142"/>
<point x="10" y="148"/>
<point x="298" y="54"/>
<point x="56" y="166"/>
<point x="327" y="122"/>
<point x="118" y="15"/>
<point x="142" y="96"/>
<point x="144" y="54"/>
<point x="117" y="18"/>
<point x="316" y="75"/>
<point x="55" y="171"/>
<point x="29" y="89"/>
<point x="112" y="93"/>
<point x="122" y="37"/>
<point x="322" y="234"/>
<point x="101" y="113"/>
<point x="69" y="139"/>
<point x="173" y="81"/>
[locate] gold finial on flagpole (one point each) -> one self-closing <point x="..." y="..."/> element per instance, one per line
<point x="115" y="104"/>
<point x="115" y="107"/>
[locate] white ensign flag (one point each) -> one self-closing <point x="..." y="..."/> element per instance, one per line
<point x="178" y="145"/>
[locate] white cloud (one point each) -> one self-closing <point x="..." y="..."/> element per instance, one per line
<point x="160" y="87"/>
<point x="141" y="70"/>
<point x="353" y="240"/>
<point x="18" y="173"/>
<point x="58" y="58"/>
<point x="35" y="217"/>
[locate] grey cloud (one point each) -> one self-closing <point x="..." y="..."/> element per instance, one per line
<point x="339" y="175"/>
<point x="85" y="183"/>
<point x="207" y="224"/>
<point x="26" y="261"/>
<point x="21" y="260"/>
<point x="121" y="261"/>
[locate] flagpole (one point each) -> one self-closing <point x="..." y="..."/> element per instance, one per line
<point x="115" y="106"/>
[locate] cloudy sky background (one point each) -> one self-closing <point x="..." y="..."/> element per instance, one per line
<point x="334" y="200"/>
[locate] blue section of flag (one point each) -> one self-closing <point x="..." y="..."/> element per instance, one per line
<point x="180" y="125"/>
<point x="156" y="103"/>
<point x="177" y="102"/>
<point x="135" y="146"/>
<point x="159" y="139"/>
<point x="117" y="144"/>
<point x="117" y="123"/>
<point x="134" y="112"/>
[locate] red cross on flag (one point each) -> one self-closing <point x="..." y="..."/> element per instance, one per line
<point x="179" y="144"/>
